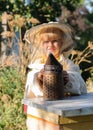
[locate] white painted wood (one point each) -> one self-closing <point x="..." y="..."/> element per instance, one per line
<point x="68" y="107"/>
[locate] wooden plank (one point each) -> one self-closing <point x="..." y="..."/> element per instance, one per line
<point x="40" y="124"/>
<point x="48" y="116"/>
<point x="77" y="119"/>
<point x="56" y="119"/>
<point x="78" y="126"/>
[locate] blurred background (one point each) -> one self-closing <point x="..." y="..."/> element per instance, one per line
<point x="16" y="17"/>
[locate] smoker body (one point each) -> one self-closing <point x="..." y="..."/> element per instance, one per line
<point x="53" y="86"/>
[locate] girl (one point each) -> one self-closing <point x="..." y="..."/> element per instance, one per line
<point x="56" y="38"/>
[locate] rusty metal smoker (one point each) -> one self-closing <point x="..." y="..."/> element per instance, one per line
<point x="53" y="87"/>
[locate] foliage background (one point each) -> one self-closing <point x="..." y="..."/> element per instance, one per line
<point x="20" y="17"/>
<point x="12" y="116"/>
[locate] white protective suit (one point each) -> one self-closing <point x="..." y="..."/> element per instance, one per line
<point x="75" y="86"/>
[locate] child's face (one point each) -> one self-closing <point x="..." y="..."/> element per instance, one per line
<point x="52" y="44"/>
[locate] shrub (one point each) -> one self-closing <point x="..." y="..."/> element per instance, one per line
<point x="11" y="94"/>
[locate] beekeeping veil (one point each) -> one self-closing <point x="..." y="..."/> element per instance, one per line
<point x="32" y="37"/>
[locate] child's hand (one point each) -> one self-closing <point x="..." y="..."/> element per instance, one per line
<point x="40" y="75"/>
<point x="65" y="77"/>
<point x="40" y="78"/>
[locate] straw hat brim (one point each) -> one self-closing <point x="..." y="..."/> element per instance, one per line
<point x="31" y="33"/>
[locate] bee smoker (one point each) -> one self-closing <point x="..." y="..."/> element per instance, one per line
<point x="53" y="87"/>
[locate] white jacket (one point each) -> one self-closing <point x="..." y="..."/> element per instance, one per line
<point x="76" y="84"/>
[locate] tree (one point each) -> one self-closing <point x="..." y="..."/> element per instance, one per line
<point x="36" y="12"/>
<point x="42" y="10"/>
